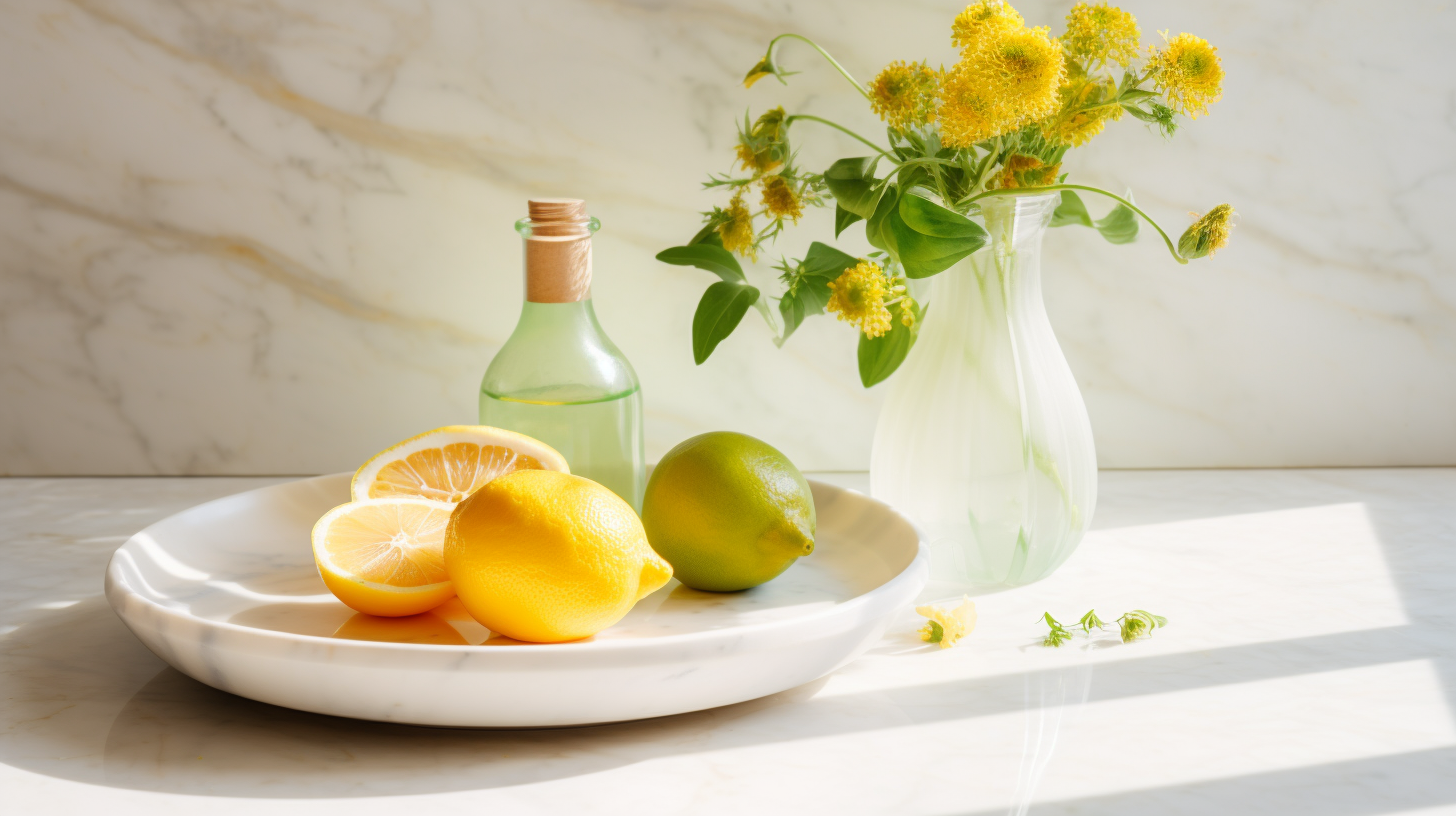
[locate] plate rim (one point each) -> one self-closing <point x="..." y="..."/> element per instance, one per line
<point x="114" y="581"/>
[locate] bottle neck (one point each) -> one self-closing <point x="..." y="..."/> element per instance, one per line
<point x="546" y="325"/>
<point x="558" y="267"/>
<point x="557" y="250"/>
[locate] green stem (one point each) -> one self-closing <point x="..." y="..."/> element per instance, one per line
<point x="1172" y="247"/>
<point x="981" y="170"/>
<point x="939" y="183"/>
<point x="838" y="127"/>
<point x="927" y="160"/>
<point x="825" y="54"/>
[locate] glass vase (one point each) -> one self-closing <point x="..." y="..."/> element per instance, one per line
<point x="984" y="440"/>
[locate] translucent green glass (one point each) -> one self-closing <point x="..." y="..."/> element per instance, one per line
<point x="560" y="379"/>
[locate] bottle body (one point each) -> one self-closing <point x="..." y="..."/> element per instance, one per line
<point x="561" y="380"/>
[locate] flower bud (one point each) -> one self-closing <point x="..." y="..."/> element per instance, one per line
<point x="1208" y="234"/>
<point x="765" y="67"/>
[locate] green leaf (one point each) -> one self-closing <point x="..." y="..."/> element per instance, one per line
<point x="824" y="261"/>
<point x="1090" y="620"/>
<point x="879" y="357"/>
<point x="822" y="264"/>
<point x="1134" y="94"/>
<point x="719" y="313"/>
<point x="1156" y="114"/>
<point x="793" y="312"/>
<point x="929" y="238"/>
<point x="1119" y="226"/>
<point x="875" y="231"/>
<point x="713" y="258"/>
<point x="843" y="218"/>
<point x="1140" y="114"/>
<point x="707" y="235"/>
<point x="809" y="299"/>
<point x="1071" y="211"/>
<point x="1057" y="635"/>
<point x="852" y="181"/>
<point x="928" y="218"/>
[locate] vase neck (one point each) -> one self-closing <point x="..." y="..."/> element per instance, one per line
<point x="1006" y="271"/>
<point x="1017" y="222"/>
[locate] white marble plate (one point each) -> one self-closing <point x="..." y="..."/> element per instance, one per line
<point x="227" y="593"/>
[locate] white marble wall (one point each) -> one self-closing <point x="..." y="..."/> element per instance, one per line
<point x="271" y="236"/>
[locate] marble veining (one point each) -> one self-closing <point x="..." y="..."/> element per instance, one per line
<point x="272" y="237"/>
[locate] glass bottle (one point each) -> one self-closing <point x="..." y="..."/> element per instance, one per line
<point x="559" y="378"/>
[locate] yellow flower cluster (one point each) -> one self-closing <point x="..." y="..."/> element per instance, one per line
<point x="858" y="295"/>
<point x="1101" y="33"/>
<point x="1188" y="73"/>
<point x="736" y="229"/>
<point x="981" y="20"/>
<point x="904" y="94"/>
<point x="1008" y="75"/>
<point x="780" y="199"/>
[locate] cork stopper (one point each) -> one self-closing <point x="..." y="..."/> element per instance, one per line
<point x="558" y="250"/>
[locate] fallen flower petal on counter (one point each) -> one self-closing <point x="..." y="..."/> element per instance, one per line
<point x="947" y="627"/>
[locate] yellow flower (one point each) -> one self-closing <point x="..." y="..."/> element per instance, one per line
<point x="966" y="112"/>
<point x="903" y="94"/>
<point x="1083" y="115"/>
<point x="980" y="19"/>
<point x="780" y="199"/>
<point x="1208" y="234"/>
<point x="1026" y="171"/>
<point x="1100" y="33"/>
<point x="1188" y="73"/>
<point x="952" y="624"/>
<point x="907" y="311"/>
<point x="857" y="296"/>
<point x="736" y="229"/>
<point x="1026" y="68"/>
<point x="1010" y="79"/>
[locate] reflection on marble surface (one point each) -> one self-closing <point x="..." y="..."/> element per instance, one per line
<point x="1308" y="668"/>
<point x="273" y="237"/>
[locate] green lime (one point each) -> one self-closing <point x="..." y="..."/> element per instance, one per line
<point x="728" y="512"/>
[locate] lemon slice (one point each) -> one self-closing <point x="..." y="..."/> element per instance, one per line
<point x="385" y="556"/>
<point x="449" y="463"/>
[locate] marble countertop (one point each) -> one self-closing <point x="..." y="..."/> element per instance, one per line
<point x="1309" y="667"/>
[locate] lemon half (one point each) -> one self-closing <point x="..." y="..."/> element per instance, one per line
<point x="449" y="463"/>
<point x="385" y="556"/>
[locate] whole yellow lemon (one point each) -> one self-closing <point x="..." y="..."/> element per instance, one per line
<point x="728" y="512"/>
<point x="544" y="556"/>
